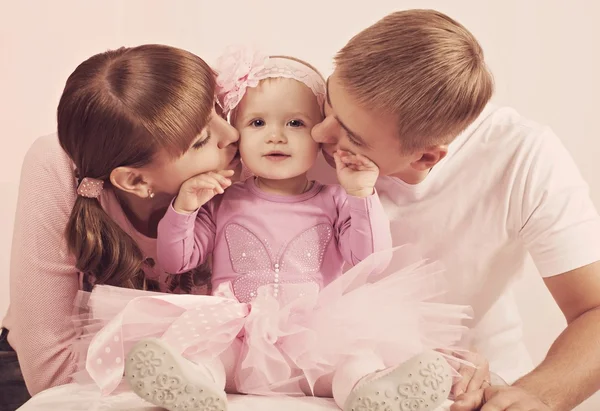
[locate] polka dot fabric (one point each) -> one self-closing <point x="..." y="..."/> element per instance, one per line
<point x="199" y="324"/>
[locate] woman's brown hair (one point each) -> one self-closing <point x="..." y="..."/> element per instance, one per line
<point x="120" y="108"/>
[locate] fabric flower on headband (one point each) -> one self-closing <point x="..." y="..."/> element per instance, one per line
<point x="237" y="69"/>
<point x="240" y="68"/>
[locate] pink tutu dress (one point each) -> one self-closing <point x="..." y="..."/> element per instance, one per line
<point x="390" y="304"/>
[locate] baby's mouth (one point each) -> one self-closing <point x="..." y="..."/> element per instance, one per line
<point x="277" y="155"/>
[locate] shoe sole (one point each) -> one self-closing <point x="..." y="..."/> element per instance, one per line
<point x="157" y="375"/>
<point x="422" y="383"/>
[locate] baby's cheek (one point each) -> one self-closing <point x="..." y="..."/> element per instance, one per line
<point x="245" y="147"/>
<point x="310" y="154"/>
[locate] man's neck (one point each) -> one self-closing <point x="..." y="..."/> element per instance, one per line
<point x="413" y="177"/>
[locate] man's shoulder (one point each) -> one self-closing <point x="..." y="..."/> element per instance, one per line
<point x="505" y="125"/>
<point x="504" y="133"/>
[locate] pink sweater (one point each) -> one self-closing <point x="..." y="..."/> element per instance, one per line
<point x="43" y="277"/>
<point x="257" y="238"/>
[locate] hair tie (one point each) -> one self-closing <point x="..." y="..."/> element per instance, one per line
<point x="90" y="187"/>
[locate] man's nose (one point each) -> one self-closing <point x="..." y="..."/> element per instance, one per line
<point x="327" y="131"/>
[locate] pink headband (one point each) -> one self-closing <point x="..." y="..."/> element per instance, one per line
<point x="240" y="67"/>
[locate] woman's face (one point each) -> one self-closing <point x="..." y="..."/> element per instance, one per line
<point x="215" y="148"/>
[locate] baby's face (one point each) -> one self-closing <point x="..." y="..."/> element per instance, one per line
<point x="274" y="121"/>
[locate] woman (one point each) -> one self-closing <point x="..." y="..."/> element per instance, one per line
<point x="133" y="124"/>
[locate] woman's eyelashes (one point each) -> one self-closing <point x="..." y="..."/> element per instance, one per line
<point x="202" y="141"/>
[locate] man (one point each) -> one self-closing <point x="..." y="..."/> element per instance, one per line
<point x="479" y="188"/>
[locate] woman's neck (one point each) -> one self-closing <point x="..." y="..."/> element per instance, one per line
<point x="287" y="187"/>
<point x="143" y="213"/>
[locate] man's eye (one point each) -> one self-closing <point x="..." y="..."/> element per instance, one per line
<point x="353" y="141"/>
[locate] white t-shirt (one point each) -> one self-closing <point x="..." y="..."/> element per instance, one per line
<point x="506" y="189"/>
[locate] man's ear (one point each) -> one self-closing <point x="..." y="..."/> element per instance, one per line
<point x="430" y="157"/>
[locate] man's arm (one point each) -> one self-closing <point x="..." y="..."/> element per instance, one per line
<point x="570" y="373"/>
<point x="560" y="227"/>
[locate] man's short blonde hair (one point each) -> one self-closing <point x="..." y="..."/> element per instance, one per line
<point x="422" y="67"/>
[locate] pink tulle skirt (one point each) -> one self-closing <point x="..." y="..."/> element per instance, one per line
<point x="392" y="304"/>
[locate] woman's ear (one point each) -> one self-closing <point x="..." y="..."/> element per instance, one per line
<point x="131" y="180"/>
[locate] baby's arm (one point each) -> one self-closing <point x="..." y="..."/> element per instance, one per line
<point x="185" y="239"/>
<point x="363" y="227"/>
<point x="186" y="234"/>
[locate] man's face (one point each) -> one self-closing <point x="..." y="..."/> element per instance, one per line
<point x="347" y="126"/>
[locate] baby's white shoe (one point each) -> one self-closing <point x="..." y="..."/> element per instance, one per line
<point x="163" y="377"/>
<point x="421" y="383"/>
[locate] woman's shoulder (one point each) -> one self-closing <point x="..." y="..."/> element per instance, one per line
<point x="46" y="152"/>
<point x="46" y="155"/>
<point x="48" y="169"/>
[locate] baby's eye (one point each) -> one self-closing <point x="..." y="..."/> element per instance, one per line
<point x="295" y="123"/>
<point x="257" y="123"/>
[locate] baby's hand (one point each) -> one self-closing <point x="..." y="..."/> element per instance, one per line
<point x="198" y="190"/>
<point x="356" y="173"/>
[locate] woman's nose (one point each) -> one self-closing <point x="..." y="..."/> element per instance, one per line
<point x="229" y="135"/>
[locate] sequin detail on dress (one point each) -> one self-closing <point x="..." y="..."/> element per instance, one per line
<point x="251" y="259"/>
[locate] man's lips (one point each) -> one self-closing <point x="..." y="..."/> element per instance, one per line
<point x="328" y="158"/>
